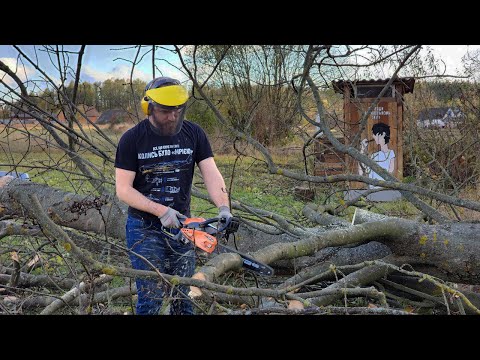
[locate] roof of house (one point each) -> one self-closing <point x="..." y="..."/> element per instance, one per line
<point x="114" y="115"/>
<point x="436" y="113"/>
<point x="20" y="114"/>
<point x="89" y="111"/>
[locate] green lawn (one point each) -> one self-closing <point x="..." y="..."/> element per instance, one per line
<point x="246" y="178"/>
<point x="249" y="183"/>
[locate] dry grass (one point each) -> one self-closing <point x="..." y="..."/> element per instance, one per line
<point x="467" y="214"/>
<point x="20" y="140"/>
<point x="33" y="138"/>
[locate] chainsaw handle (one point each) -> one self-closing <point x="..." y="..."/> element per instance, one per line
<point x="222" y="224"/>
<point x="204" y="223"/>
<point x="198" y="223"/>
<point x="231" y="225"/>
<point x="209" y="221"/>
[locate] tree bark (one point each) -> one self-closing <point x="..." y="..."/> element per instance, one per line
<point x="449" y="251"/>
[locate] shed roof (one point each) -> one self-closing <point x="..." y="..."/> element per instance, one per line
<point x="407" y="82"/>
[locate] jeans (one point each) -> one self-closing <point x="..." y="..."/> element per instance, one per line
<point x="145" y="238"/>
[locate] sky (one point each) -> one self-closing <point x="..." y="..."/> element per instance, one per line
<point x="452" y="55"/>
<point x="102" y="62"/>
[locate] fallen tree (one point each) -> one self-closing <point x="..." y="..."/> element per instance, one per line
<point x="439" y="254"/>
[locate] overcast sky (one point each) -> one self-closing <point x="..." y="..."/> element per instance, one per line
<point x="452" y="55"/>
<point x="109" y="61"/>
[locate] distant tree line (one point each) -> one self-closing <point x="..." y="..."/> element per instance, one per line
<point x="110" y="94"/>
<point x="267" y="112"/>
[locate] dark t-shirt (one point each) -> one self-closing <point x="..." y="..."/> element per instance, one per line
<point x="164" y="165"/>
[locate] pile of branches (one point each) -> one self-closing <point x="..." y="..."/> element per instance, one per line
<point x="374" y="265"/>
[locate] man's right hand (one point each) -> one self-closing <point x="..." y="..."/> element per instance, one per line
<point x="170" y="218"/>
<point x="363" y="146"/>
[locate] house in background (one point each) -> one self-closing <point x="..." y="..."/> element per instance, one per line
<point x="116" y="116"/>
<point x="440" y="117"/>
<point x="18" y="116"/>
<point x="90" y="112"/>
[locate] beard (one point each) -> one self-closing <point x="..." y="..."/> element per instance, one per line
<point x="167" y="127"/>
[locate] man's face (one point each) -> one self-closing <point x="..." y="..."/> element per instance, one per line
<point x="379" y="138"/>
<point x="167" y="121"/>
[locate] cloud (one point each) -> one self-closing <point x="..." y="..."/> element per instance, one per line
<point x="124" y="72"/>
<point x="23" y="71"/>
<point x="452" y="55"/>
<point x="118" y="72"/>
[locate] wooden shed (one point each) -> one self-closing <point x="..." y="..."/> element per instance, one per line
<point x="384" y="141"/>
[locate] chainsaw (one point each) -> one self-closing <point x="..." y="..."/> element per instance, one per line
<point x="205" y="236"/>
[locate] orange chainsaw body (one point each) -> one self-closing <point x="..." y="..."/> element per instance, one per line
<point x="200" y="238"/>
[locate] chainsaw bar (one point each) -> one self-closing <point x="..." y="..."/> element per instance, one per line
<point x="248" y="262"/>
<point x="204" y="236"/>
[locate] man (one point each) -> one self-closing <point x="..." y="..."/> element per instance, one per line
<point x="154" y="171"/>
<point x="385" y="157"/>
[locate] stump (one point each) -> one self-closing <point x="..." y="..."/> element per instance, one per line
<point x="303" y="193"/>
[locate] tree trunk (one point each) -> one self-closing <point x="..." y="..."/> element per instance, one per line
<point x="103" y="215"/>
<point x="449" y="251"/>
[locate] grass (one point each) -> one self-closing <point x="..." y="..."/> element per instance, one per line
<point x="246" y="178"/>
<point x="249" y="183"/>
<point x="29" y="149"/>
<point x="399" y="208"/>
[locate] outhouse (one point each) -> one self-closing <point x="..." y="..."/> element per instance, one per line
<point x="381" y="138"/>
